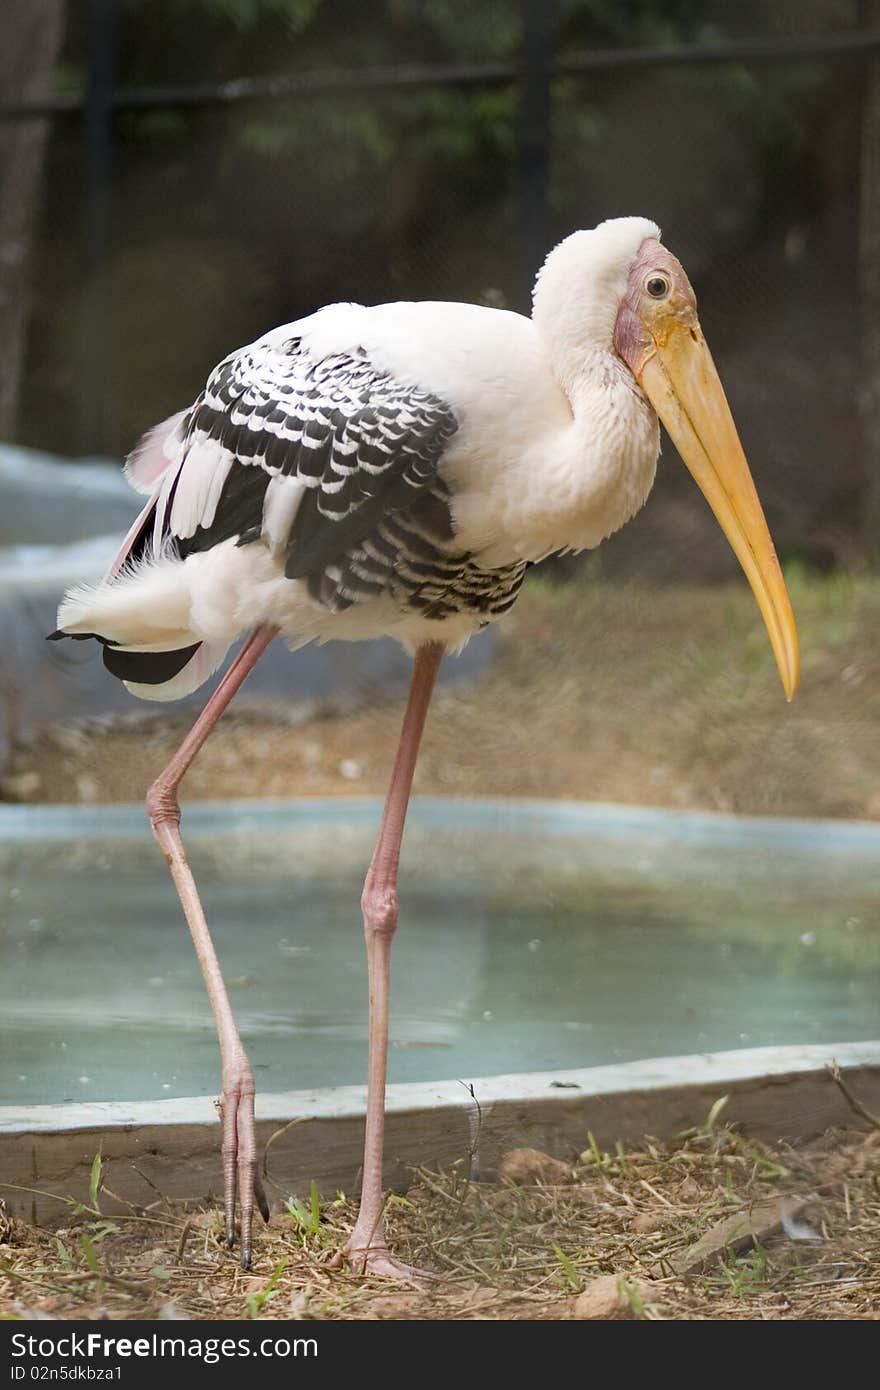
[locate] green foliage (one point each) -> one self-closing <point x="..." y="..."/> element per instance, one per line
<point x="244" y="14"/>
<point x="569" y="1269"/>
<point x="612" y="1166"/>
<point x="630" y="1291"/>
<point x="64" y="1254"/>
<point x="90" y="1254"/>
<point x="744" y="1274"/>
<point x="708" y="1128"/>
<point x="714" y="1112"/>
<point x="307" y="1219"/>
<point x="95" y="1180"/>
<point x="255" y="1302"/>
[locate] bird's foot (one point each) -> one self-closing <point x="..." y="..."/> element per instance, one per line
<point x="236" y="1107"/>
<point x="372" y="1256"/>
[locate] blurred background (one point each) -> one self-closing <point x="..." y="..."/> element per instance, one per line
<point x="176" y="176"/>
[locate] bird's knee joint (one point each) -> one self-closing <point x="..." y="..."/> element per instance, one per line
<point x="381" y="911"/>
<point x="162" y="805"/>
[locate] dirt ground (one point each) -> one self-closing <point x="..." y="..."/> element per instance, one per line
<point x="712" y="1226"/>
<point x="598" y="691"/>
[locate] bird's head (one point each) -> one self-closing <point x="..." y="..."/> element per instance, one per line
<point x="618" y="288"/>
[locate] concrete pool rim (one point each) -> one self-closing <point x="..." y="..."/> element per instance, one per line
<point x="337" y="1102"/>
<point x="173" y="1146"/>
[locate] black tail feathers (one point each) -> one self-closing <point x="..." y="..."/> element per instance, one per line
<point x="142" y="668"/>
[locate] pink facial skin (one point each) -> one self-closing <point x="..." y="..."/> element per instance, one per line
<point x="641" y="318"/>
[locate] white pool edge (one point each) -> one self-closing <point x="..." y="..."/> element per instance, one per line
<point x="713" y="1069"/>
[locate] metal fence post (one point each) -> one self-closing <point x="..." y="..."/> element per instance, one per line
<point x="98" y="151"/>
<point x="540" y="38"/>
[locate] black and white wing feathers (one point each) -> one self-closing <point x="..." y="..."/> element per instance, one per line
<point x="332" y="463"/>
<point x="307" y="453"/>
<point x="335" y="464"/>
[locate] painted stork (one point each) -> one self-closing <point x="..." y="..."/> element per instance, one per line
<point x="394" y="470"/>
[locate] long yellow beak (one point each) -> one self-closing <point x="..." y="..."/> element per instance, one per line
<point x="681" y="382"/>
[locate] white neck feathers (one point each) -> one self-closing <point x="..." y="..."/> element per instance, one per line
<point x="578" y="292"/>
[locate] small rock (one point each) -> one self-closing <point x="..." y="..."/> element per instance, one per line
<point x="254" y="1283"/>
<point x="532" y="1166"/>
<point x="606" y="1297"/>
<point x="298" y="1307"/>
<point x="170" y="1312"/>
<point x="87" y="788"/>
<point x="20" y="786"/>
<point x="689" y="1190"/>
<point x="148" y="1259"/>
<point x="646" y="1222"/>
<point x="350" y="769"/>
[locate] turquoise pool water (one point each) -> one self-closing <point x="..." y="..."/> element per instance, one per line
<point x="533" y="936"/>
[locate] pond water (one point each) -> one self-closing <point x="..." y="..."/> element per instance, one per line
<point x="533" y="937"/>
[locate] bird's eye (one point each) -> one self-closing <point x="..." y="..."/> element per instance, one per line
<point x="657" y="286"/>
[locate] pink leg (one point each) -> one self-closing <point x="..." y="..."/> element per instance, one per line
<point x="367" y="1247"/>
<point x="237" y="1104"/>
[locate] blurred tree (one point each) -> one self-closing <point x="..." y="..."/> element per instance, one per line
<point x="33" y="31"/>
<point x="869" y="285"/>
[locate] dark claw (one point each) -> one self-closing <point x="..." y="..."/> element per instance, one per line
<point x="260" y="1195"/>
<point x="245" y="1255"/>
